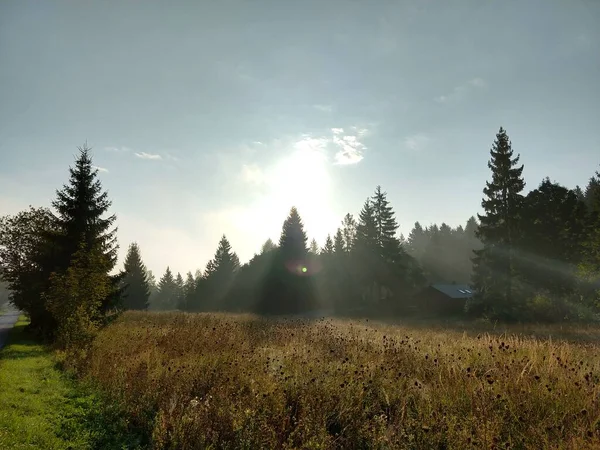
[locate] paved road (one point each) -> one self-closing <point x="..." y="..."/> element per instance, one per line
<point x="7" y="321"/>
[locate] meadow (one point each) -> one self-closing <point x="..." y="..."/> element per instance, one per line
<point x="240" y="381"/>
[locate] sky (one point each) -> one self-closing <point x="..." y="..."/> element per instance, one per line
<point x="211" y="118"/>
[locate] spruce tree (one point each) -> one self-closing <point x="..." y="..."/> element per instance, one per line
<point x="137" y="288"/>
<point x="166" y="298"/>
<point x="292" y="241"/>
<point x="188" y="291"/>
<point x="268" y="246"/>
<point x="385" y="223"/>
<point x="328" y="247"/>
<point x="339" y="246"/>
<point x="553" y="235"/>
<point x="81" y="207"/>
<point x="499" y="231"/>
<point x="314" y="247"/>
<point x="179" y="292"/>
<point x="82" y="219"/>
<point x="287" y="285"/>
<point x="417" y="242"/>
<point x="349" y="232"/>
<point x="366" y="230"/>
<point x="219" y="275"/>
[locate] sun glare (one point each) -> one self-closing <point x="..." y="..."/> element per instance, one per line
<point x="302" y="179"/>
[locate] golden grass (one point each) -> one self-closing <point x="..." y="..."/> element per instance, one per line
<point x="224" y="381"/>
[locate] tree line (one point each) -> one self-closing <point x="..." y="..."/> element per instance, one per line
<point x="527" y="257"/>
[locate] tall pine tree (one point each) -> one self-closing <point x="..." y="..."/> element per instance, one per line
<point x="166" y="297"/>
<point x="82" y="219"/>
<point x="137" y="288"/>
<point x="219" y="275"/>
<point x="499" y="231"/>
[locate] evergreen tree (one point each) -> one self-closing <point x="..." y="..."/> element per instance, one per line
<point x="292" y="241"/>
<point x="268" y="246"/>
<point x="366" y="230"/>
<point x="592" y="193"/>
<point x="417" y="241"/>
<point x="494" y="264"/>
<point x="166" y="298"/>
<point x="220" y="273"/>
<point x="81" y="218"/>
<point x="553" y="227"/>
<point x="328" y="247"/>
<point x="385" y="224"/>
<point x="339" y="246"/>
<point x="349" y="232"/>
<point x="287" y="286"/>
<point x="314" y="247"/>
<point x="188" y="291"/>
<point x="137" y="289"/>
<point x="179" y="292"/>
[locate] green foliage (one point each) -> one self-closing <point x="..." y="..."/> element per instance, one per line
<point x="24" y="261"/>
<point x="75" y="298"/>
<point x="42" y="408"/>
<point x="167" y="295"/>
<point x="137" y="288"/>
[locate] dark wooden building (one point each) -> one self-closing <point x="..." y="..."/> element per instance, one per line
<point x="443" y="299"/>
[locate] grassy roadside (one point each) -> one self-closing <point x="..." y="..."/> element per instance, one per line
<point x="41" y="407"/>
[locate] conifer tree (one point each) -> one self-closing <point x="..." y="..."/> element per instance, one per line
<point x="328" y="247"/>
<point x="385" y="224"/>
<point x="349" y="232"/>
<point x="137" y="289"/>
<point x="366" y="230"/>
<point x="292" y="241"/>
<point x="188" y="291"/>
<point x="166" y="298"/>
<point x="553" y="235"/>
<point x="219" y="275"/>
<point x="417" y="241"/>
<point x="268" y="246"/>
<point x="499" y="231"/>
<point x="314" y="247"/>
<point x="179" y="292"/>
<point x="81" y="219"/>
<point x="287" y="285"/>
<point x="339" y="246"/>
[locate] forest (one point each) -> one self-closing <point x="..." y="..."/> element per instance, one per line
<point x="528" y="257"/>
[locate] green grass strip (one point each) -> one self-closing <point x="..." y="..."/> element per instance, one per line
<point x="41" y="407"/>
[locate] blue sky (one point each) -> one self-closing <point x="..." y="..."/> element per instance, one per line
<point x="216" y="117"/>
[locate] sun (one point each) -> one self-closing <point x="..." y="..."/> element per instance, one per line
<point x="302" y="179"/>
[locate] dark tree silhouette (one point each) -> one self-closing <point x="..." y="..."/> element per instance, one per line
<point x="136" y="294"/>
<point x="499" y="231"/>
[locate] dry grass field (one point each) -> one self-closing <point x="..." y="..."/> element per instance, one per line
<point x="225" y="381"/>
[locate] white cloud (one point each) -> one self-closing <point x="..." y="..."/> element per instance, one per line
<point x="101" y="169"/>
<point x="144" y="155"/>
<point x="117" y="149"/>
<point x="460" y="91"/>
<point x="351" y="149"/>
<point x="416" y="142"/>
<point x="337" y="130"/>
<point x="308" y="143"/>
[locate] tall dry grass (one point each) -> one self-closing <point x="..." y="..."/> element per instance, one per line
<point x="223" y="381"/>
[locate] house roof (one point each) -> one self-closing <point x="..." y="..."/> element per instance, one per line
<point x="454" y="290"/>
